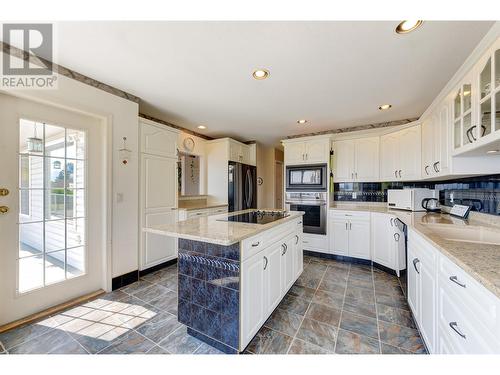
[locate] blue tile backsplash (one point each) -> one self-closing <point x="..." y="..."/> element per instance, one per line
<point x="481" y="193"/>
<point x="209" y="277"/>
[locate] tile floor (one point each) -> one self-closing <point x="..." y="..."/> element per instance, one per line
<point x="334" y="307"/>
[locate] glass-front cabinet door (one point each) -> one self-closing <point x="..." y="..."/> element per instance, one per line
<point x="487" y="79"/>
<point x="463" y="130"/>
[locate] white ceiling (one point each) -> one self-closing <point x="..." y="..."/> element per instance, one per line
<point x="335" y="74"/>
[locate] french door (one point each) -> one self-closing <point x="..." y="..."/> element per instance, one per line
<point x="51" y="224"/>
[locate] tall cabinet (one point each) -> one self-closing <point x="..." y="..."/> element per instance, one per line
<point x="158" y="191"/>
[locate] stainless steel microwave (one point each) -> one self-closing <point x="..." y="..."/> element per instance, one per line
<point x="306" y="178"/>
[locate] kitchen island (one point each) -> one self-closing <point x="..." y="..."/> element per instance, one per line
<point x="234" y="270"/>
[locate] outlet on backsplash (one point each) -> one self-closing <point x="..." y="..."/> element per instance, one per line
<point x="354" y="195"/>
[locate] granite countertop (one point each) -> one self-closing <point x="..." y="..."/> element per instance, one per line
<point x="209" y="229"/>
<point x="200" y="206"/>
<point x="481" y="261"/>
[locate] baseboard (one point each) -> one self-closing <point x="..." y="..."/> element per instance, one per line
<point x="51" y="311"/>
<point x="124" y="280"/>
<point x="157" y="267"/>
<point x="341" y="258"/>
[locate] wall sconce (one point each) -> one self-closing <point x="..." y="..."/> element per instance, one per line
<point x="124" y="152"/>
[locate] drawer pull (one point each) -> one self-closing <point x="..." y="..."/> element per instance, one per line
<point x="415" y="261"/>
<point x="297" y="239"/>
<point x="255" y="244"/>
<point x="455" y="280"/>
<point x="454" y="326"/>
<point x="265" y="264"/>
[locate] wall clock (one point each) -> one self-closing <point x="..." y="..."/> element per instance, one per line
<point x="188" y="144"/>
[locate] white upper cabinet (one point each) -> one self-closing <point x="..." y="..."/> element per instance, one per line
<point x="241" y="153"/>
<point x="311" y="151"/>
<point x="158" y="140"/>
<point x="476" y="107"/>
<point x="436" y="142"/>
<point x="400" y="155"/>
<point x="357" y="160"/>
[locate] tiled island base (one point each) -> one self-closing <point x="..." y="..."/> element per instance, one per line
<point x="209" y="280"/>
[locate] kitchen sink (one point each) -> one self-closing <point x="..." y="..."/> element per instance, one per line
<point x="476" y="234"/>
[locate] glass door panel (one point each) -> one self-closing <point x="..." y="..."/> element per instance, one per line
<point x="457" y="131"/>
<point x="52" y="193"/>
<point x="467" y="97"/>
<point x="497" y="68"/>
<point x="485" y="80"/>
<point x="457" y="105"/>
<point x="485" y="118"/>
<point x="497" y="111"/>
<point x="468" y="131"/>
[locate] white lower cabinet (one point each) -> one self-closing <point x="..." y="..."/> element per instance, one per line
<point x="350" y="234"/>
<point x="266" y="276"/>
<point x="455" y="314"/>
<point x="388" y="242"/>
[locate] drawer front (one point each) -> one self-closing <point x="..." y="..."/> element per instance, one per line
<point x="470" y="295"/>
<point x="217" y="210"/>
<point x="259" y="242"/>
<point x="459" y="329"/>
<point x="351" y="215"/>
<point x="197" y="213"/>
<point x="315" y="242"/>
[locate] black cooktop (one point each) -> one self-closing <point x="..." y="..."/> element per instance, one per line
<point x="257" y="217"/>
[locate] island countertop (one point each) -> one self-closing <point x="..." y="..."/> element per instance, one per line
<point x="211" y="230"/>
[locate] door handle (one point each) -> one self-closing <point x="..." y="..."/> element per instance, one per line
<point x="426" y="171"/>
<point x="4" y="192"/>
<point x="356" y="175"/>
<point x="4" y="209"/>
<point x="307" y="156"/>
<point x="415" y="261"/>
<point x="455" y="280"/>
<point x="396" y="237"/>
<point x="392" y="222"/>
<point x="435" y="166"/>
<point x="346" y="226"/>
<point x="454" y="326"/>
<point x="400" y="173"/>
<point x="265" y="264"/>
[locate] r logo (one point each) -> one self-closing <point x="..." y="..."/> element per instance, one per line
<point x="34" y="38"/>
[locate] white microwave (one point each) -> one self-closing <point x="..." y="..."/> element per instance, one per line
<point x="408" y="199"/>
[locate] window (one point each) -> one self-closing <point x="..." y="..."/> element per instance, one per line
<point x="52" y="191"/>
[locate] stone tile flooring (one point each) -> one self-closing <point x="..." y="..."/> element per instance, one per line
<point x="334" y="307"/>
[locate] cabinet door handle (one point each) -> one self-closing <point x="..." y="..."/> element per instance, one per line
<point x="454" y="326"/>
<point x="396" y="173"/>
<point x="400" y="173"/>
<point x="307" y="156"/>
<point x="396" y="237"/>
<point x="283" y="251"/>
<point x="300" y="222"/>
<point x="265" y="264"/>
<point x="350" y="225"/>
<point x="435" y="167"/>
<point x="356" y="175"/>
<point x="415" y="261"/>
<point x="426" y="171"/>
<point x="392" y="222"/>
<point x="455" y="280"/>
<point x="296" y="239"/>
<point x="255" y="244"/>
<point x="346" y="225"/>
<point x="352" y="175"/>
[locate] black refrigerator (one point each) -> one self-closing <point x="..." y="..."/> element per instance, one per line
<point x="242" y="186"/>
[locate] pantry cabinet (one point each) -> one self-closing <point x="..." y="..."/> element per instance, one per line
<point x="311" y="151"/>
<point x="357" y="160"/>
<point x="400" y="155"/>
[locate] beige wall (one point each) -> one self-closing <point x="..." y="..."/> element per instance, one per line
<point x="266" y="157"/>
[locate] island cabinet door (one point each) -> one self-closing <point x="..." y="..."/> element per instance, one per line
<point x="273" y="276"/>
<point x="253" y="300"/>
<point x="288" y="260"/>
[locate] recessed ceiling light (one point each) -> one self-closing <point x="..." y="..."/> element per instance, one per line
<point x="260" y="74"/>
<point x="408" y="26"/>
<point x="493" y="151"/>
<point x="202" y="127"/>
<point x="302" y="122"/>
<point x="383" y="107"/>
